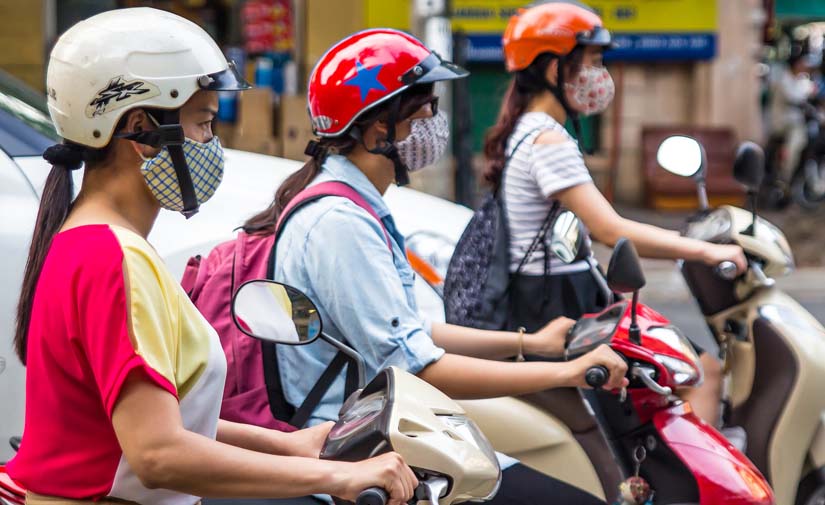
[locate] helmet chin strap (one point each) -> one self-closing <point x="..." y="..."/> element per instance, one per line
<point x="386" y="147"/>
<point x="558" y="92"/>
<point x="169" y="134"/>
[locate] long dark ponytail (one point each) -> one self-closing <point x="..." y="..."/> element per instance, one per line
<point x="55" y="204"/>
<point x="524" y="86"/>
<point x="263" y="223"/>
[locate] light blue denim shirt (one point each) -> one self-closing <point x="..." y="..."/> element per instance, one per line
<point x="337" y="254"/>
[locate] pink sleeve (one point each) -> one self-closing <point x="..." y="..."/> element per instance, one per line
<point x="103" y="323"/>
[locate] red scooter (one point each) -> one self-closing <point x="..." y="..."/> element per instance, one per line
<point x="655" y="436"/>
<point x="10" y="492"/>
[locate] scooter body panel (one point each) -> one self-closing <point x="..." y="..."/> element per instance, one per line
<point x="722" y="473"/>
<point x="536" y="438"/>
<point x="817" y="451"/>
<point x="801" y="417"/>
<point x="9" y="490"/>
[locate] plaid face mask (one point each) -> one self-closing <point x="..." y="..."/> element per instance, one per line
<point x="205" y="163"/>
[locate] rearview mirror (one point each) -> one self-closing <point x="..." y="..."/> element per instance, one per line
<point x="749" y="166"/>
<point x="567" y="241"/>
<point x="682" y="155"/>
<point x="275" y="312"/>
<point x="624" y="274"/>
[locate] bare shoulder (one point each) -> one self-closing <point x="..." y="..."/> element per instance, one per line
<point x="550" y="137"/>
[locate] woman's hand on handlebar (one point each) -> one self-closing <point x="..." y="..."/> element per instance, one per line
<point x="310" y="441"/>
<point x="388" y="472"/>
<point x="549" y="341"/>
<point x="606" y="357"/>
<point x="714" y="254"/>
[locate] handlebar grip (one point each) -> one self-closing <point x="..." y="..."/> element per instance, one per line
<point x="726" y="270"/>
<point x="596" y="376"/>
<point x="372" y="496"/>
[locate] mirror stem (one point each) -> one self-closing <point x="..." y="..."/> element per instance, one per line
<point x="634" y="332"/>
<point x="751" y="230"/>
<point x="701" y="189"/>
<point x="352" y="354"/>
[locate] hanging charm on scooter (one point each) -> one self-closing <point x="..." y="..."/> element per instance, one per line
<point x="635" y="490"/>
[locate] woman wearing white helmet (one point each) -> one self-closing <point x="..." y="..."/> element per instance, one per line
<point x="125" y="377"/>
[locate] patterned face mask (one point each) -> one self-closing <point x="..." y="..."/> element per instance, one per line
<point x="591" y="91"/>
<point x="426" y="142"/>
<point x="205" y="163"/>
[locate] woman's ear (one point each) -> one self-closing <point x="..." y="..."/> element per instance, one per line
<point x="552" y="72"/>
<point x="375" y="133"/>
<point x="136" y="121"/>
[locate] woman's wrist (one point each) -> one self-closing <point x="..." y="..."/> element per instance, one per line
<point x="534" y="345"/>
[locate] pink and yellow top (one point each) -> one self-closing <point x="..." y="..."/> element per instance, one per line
<point x="106" y="308"/>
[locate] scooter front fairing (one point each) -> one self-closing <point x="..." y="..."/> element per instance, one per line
<point x="722" y="473"/>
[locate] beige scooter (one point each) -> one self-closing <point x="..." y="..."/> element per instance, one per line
<point x="396" y="411"/>
<point x="773" y="349"/>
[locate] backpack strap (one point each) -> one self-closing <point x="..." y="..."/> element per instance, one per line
<point x="280" y="407"/>
<point x="329" y="188"/>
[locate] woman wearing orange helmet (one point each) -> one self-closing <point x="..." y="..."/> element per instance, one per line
<point x="554" y="51"/>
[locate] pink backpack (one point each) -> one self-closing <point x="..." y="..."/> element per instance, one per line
<point x="253" y="393"/>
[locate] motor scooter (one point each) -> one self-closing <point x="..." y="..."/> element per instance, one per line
<point x="648" y="432"/>
<point x="396" y="411"/>
<point x="773" y="350"/>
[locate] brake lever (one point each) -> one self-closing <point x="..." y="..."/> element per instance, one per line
<point x="762" y="279"/>
<point x="646" y="376"/>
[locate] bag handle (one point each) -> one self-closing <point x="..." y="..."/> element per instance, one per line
<point x="329" y="188"/>
<point x="510" y="157"/>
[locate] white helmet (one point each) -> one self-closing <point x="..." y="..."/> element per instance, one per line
<point x="119" y="60"/>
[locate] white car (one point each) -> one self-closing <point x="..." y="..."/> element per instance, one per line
<point x="431" y="225"/>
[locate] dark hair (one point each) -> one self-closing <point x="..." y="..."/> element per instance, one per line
<point x="524" y="86"/>
<point x="55" y="204"/>
<point x="263" y="223"/>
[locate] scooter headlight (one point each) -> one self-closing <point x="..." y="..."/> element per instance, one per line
<point x="435" y="249"/>
<point x="685" y="372"/>
<point x="469" y="431"/>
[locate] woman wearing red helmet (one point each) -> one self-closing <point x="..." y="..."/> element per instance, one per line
<point x="554" y="51"/>
<point x="371" y="101"/>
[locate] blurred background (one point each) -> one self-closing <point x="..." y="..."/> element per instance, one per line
<point x="709" y="68"/>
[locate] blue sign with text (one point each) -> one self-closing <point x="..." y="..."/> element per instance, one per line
<point x="627" y="47"/>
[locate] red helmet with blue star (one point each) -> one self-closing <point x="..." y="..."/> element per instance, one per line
<point x="366" y="69"/>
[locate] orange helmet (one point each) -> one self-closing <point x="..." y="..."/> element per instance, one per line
<point x="554" y="27"/>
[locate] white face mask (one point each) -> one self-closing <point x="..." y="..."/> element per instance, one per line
<point x="426" y="142"/>
<point x="591" y="91"/>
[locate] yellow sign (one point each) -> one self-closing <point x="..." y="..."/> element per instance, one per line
<point x="388" y="14"/>
<point x="620" y="16"/>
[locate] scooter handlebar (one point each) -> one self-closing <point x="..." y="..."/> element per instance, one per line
<point x="372" y="496"/>
<point x="596" y="376"/>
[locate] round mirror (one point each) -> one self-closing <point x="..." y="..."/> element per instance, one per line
<point x="681" y="155"/>
<point x="275" y="312"/>
<point x="568" y="237"/>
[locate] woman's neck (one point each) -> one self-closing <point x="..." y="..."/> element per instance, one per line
<point x="548" y="103"/>
<point x="115" y="195"/>
<point x="378" y="168"/>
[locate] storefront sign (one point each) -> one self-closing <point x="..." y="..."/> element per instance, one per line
<point x="644" y="29"/>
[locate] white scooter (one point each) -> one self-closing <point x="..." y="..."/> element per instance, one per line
<point x="773" y="349"/>
<point x="396" y="411"/>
